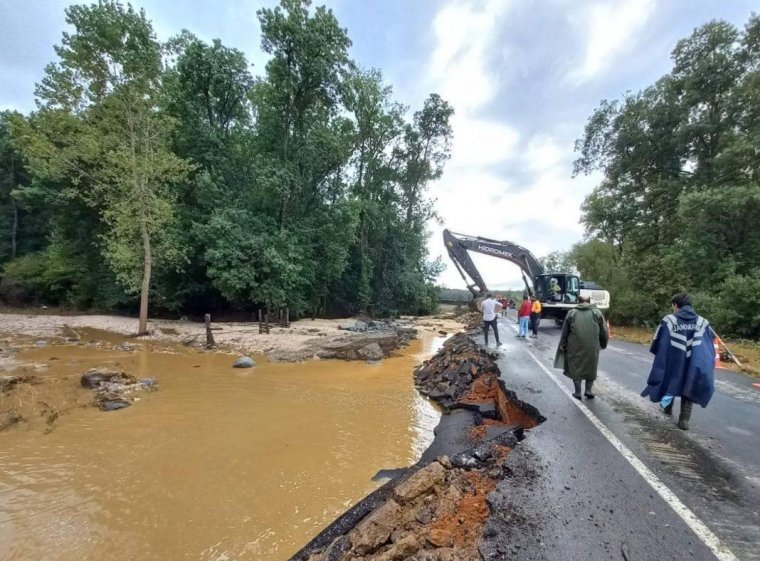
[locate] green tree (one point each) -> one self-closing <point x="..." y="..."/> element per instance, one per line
<point x="108" y="78"/>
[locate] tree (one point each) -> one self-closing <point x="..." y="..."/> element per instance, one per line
<point x="109" y="78"/>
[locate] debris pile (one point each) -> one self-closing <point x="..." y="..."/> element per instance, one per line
<point x="464" y="375"/>
<point x="367" y="340"/>
<point x="114" y="389"/>
<point x="435" y="513"/>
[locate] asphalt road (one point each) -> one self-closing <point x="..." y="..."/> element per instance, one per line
<point x="615" y="478"/>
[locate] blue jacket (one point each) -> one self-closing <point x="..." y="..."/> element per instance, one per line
<point x="684" y="358"/>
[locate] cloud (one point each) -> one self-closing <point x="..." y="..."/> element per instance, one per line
<point x="459" y="63"/>
<point x="610" y="28"/>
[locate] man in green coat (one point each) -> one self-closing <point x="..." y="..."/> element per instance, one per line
<point x="583" y="334"/>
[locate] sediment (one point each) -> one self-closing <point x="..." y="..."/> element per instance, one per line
<point x="438" y="508"/>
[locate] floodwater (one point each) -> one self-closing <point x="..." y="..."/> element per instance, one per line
<point x="220" y="464"/>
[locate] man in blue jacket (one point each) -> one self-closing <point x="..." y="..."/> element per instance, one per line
<point x="684" y="361"/>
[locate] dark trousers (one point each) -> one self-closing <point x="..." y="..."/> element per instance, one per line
<point x="493" y="323"/>
<point x="535" y="319"/>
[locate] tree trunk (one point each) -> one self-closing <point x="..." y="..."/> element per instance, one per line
<point x="147" y="264"/>
<point x="14" y="228"/>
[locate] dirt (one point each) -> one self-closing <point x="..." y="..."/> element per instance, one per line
<point x="301" y="341"/>
<point x="464" y="524"/>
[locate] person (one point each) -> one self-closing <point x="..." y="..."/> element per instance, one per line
<point x="523" y="315"/>
<point x="503" y="302"/>
<point x="490" y="308"/>
<point x="554" y="289"/>
<point x="584" y="334"/>
<point x="684" y="360"/>
<point x="535" y="315"/>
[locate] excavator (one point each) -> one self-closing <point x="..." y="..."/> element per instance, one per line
<point x="558" y="292"/>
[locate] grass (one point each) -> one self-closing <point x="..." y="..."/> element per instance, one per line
<point x="748" y="352"/>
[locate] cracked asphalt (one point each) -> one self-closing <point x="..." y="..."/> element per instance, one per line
<point x="572" y="493"/>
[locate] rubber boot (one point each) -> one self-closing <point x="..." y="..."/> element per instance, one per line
<point x="669" y="409"/>
<point x="577" y="393"/>
<point x="683" y="419"/>
<point x="588" y="393"/>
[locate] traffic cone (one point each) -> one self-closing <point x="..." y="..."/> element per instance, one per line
<point x="716" y="346"/>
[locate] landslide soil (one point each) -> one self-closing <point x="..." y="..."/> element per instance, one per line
<point x="300" y="341"/>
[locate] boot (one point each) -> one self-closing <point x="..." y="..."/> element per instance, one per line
<point x="577" y="393"/>
<point x="588" y="393"/>
<point x="683" y="419"/>
<point x="669" y="409"/>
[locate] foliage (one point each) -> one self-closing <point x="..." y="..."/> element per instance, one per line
<point x="169" y="169"/>
<point x="680" y="199"/>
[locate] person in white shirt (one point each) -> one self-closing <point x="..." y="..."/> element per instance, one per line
<point x="490" y="308"/>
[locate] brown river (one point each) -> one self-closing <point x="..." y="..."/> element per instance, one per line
<point x="220" y="464"/>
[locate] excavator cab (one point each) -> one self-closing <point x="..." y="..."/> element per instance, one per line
<point x="557" y="288"/>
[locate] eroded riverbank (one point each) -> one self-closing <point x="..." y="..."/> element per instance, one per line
<point x="218" y="464"/>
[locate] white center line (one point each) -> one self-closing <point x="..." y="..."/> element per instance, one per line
<point x="692" y="521"/>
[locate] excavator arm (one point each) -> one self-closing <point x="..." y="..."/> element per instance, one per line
<point x="458" y="246"/>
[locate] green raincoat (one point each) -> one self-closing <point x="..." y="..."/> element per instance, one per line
<point x="583" y="334"/>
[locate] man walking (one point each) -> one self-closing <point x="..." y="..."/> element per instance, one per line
<point x="490" y="308"/>
<point x="535" y="315"/>
<point x="584" y="334"/>
<point x="684" y="360"/>
<point x="523" y="315"/>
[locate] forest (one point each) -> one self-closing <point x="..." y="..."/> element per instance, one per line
<point x="678" y="207"/>
<point x="168" y="176"/>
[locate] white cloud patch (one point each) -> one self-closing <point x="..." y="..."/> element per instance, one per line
<point x="610" y="28"/>
<point x="472" y="197"/>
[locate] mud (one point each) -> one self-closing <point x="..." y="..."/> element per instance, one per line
<point x="221" y="463"/>
<point x="302" y="340"/>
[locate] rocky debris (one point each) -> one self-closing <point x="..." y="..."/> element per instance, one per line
<point x="471" y="320"/>
<point x="464" y="375"/>
<point x="447" y="376"/>
<point x="244" y="362"/>
<point x="113" y="388"/>
<point x="366" y="345"/>
<point x="9" y="418"/>
<point x="435" y="513"/>
<point x="7" y="383"/>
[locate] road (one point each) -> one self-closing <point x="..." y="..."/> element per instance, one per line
<point x="614" y="478"/>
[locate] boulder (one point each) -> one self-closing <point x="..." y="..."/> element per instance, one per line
<point x="114" y="404"/>
<point x="420" y="482"/>
<point x="371" y="352"/>
<point x="375" y="529"/>
<point x="244" y="362"/>
<point x="93" y="378"/>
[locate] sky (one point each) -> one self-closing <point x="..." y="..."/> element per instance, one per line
<point x="523" y="77"/>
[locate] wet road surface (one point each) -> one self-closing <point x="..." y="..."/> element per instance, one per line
<point x="575" y="494"/>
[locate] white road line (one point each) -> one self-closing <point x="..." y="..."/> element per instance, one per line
<point x="692" y="521"/>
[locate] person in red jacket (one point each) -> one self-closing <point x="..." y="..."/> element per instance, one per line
<point x="523" y="316"/>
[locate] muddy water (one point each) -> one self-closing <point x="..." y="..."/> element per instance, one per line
<point x="220" y="464"/>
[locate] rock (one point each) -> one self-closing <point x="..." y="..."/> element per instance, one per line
<point x="93" y="378"/>
<point x="8" y="419"/>
<point x="375" y="529"/>
<point x="440" y="538"/>
<point x="244" y="362"/>
<point x="40" y="343"/>
<point x="420" y="482"/>
<point x="402" y="549"/>
<point x="371" y="352"/>
<point x="7" y="382"/>
<point x="148" y="383"/>
<point x="114" y="404"/>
